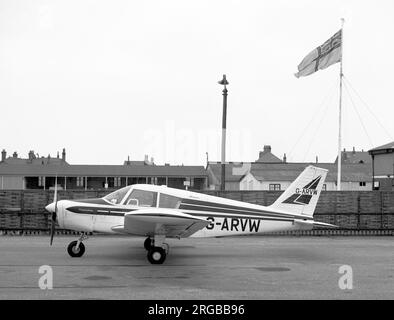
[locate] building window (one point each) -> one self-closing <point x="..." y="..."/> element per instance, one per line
<point x="79" y="181"/>
<point x="274" y="186"/>
<point x="117" y="182"/>
<point x="363" y="184"/>
<point x="324" y="187"/>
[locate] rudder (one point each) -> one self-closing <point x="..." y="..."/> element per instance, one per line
<point x="302" y="195"/>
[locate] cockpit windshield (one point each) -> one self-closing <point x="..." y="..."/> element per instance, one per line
<point x="142" y="198"/>
<point x="117" y="196"/>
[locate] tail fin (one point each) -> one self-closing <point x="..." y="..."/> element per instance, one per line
<point x="302" y="195"/>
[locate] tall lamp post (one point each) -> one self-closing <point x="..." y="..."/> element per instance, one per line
<point x="224" y="82"/>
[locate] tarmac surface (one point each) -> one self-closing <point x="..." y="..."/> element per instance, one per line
<point x="217" y="268"/>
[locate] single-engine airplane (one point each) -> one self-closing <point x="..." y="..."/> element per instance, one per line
<point x="160" y="212"/>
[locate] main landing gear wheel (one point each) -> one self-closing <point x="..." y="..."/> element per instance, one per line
<point x="156" y="255"/>
<point x="148" y="244"/>
<point x="73" y="251"/>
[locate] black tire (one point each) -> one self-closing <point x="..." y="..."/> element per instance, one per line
<point x="148" y="244"/>
<point x="156" y="255"/>
<point x="74" y="253"/>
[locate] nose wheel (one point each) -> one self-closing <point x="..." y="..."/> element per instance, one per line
<point x="76" y="248"/>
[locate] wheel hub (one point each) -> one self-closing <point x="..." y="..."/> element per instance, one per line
<point x="156" y="256"/>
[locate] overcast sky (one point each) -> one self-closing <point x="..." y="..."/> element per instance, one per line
<point x="108" y="79"/>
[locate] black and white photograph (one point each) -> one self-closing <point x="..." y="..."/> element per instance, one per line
<point x="196" y="155"/>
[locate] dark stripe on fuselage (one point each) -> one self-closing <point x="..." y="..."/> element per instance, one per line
<point x="120" y="212"/>
<point x="245" y="211"/>
<point x="261" y="217"/>
<point x="154" y="215"/>
<point x="211" y="207"/>
<point x="217" y="205"/>
<point x="100" y="211"/>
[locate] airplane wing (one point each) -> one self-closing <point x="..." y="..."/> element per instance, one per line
<point x="158" y="221"/>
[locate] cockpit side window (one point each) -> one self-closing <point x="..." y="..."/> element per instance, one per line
<point x="142" y="198"/>
<point x="167" y="201"/>
<point x="117" y="196"/>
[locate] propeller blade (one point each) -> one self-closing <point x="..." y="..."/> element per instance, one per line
<point x="52" y="231"/>
<point x="54" y="214"/>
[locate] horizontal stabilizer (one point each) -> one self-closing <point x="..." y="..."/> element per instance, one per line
<point x="315" y="223"/>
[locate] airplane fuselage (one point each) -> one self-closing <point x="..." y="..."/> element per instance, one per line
<point x="226" y="217"/>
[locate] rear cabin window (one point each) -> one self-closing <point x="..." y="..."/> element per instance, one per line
<point x="142" y="198"/>
<point x="167" y="201"/>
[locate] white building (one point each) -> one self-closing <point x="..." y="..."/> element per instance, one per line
<point x="278" y="176"/>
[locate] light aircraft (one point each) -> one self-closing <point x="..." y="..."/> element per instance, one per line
<point x="160" y="212"/>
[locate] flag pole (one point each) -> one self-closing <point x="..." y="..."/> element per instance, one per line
<point x="340" y="111"/>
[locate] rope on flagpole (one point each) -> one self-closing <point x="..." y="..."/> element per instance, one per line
<point x="328" y="98"/>
<point x="358" y="114"/>
<point x="347" y="82"/>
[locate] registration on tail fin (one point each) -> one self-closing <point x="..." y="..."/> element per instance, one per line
<point x="302" y="195"/>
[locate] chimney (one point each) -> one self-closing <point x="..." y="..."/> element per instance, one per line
<point x="146" y="158"/>
<point x="317" y="159"/>
<point x="284" y="158"/>
<point x="151" y="160"/>
<point x="64" y="154"/>
<point x="15" y="154"/>
<point x="58" y="154"/>
<point x="31" y="155"/>
<point x="354" y="151"/>
<point x="3" y="155"/>
<point x="267" y="149"/>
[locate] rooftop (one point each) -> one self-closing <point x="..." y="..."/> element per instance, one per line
<point x="102" y="170"/>
<point x="383" y="147"/>
<point x="290" y="171"/>
<point x="267" y="157"/>
<point x="354" y="156"/>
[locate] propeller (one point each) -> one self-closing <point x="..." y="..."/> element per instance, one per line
<point x="54" y="212"/>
